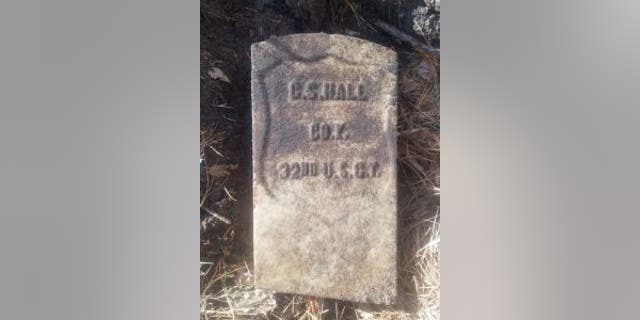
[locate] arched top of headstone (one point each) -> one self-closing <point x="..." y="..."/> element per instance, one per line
<point x="312" y="47"/>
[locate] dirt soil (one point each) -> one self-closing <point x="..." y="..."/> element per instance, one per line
<point x="227" y="29"/>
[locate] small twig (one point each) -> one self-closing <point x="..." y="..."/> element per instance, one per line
<point x="210" y="266"/>
<point x="219" y="217"/>
<point x="412" y="131"/>
<point x="404" y="37"/>
<point x="229" y="194"/>
<point x="251" y="9"/>
<point x="216" y="151"/>
<point x="358" y="16"/>
<point x="232" y="120"/>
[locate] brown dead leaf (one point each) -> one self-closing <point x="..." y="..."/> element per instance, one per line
<point x="221" y="170"/>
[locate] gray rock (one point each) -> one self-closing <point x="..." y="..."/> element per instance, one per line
<point x="420" y="18"/>
<point x="426" y="20"/>
<point x="324" y="167"/>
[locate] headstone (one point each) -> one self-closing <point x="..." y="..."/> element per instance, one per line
<point x="324" y="167"/>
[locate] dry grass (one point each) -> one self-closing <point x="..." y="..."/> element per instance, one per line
<point x="226" y="296"/>
<point x="428" y="270"/>
<point x="419" y="121"/>
<point x="226" y="290"/>
<point x="419" y="153"/>
<point x="210" y="141"/>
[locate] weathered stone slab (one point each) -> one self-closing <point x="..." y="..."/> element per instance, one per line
<point x="324" y="167"/>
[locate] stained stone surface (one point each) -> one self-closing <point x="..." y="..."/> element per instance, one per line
<point x="324" y="167"/>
